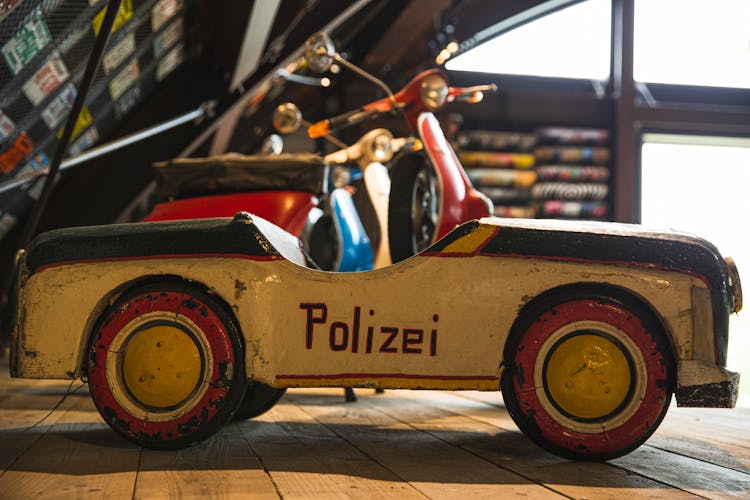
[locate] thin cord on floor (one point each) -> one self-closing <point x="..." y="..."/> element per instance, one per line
<point x="65" y="396"/>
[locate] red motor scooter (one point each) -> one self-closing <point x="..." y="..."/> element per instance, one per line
<point x="430" y="192"/>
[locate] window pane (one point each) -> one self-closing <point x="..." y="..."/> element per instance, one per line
<point x="570" y="43"/>
<point x="703" y="189"/>
<point x="692" y="42"/>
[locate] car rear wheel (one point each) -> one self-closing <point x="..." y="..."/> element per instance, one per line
<point x="259" y="398"/>
<point x="588" y="377"/>
<point x="166" y="366"/>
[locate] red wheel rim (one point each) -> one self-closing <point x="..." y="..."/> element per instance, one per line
<point x="205" y="407"/>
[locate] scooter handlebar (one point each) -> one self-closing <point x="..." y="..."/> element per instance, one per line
<point x="377" y="145"/>
<point x="470" y="95"/>
<point x="409" y="98"/>
<point x="325" y="127"/>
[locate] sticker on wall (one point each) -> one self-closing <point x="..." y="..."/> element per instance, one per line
<point x="124" y="14"/>
<point x="84" y="142"/>
<point x="37" y="162"/>
<point x="128" y="101"/>
<point x="173" y="59"/>
<point x="46" y="80"/>
<point x="22" y="146"/>
<point x="7" y="127"/>
<point x="123" y="80"/>
<point x="168" y="37"/>
<point x="7" y="222"/>
<point x="117" y="54"/>
<point x="27" y="42"/>
<point x="163" y="11"/>
<point x="58" y="109"/>
<point x="83" y="121"/>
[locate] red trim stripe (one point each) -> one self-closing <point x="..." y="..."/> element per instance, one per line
<point x="163" y="256"/>
<point x="454" y="255"/>
<point x="385" y="375"/>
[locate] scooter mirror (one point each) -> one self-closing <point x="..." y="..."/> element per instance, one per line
<point x="319" y="51"/>
<point x="287" y="118"/>
<point x="434" y="91"/>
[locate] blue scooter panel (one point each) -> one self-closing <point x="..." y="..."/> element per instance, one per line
<point x="354" y="249"/>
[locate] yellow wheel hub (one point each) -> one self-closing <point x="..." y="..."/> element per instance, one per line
<point x="587" y="376"/>
<point x="161" y="366"/>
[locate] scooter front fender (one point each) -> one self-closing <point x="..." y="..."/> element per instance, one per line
<point x="459" y="201"/>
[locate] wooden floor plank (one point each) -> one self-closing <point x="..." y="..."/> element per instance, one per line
<point x="27" y="414"/>
<point x="403" y="444"/>
<point x="717" y="436"/>
<point x="452" y="419"/>
<point x="703" y="478"/>
<point x="78" y="456"/>
<point x="306" y="460"/>
<point x="702" y="447"/>
<point x="436" y="468"/>
<point x="220" y="468"/>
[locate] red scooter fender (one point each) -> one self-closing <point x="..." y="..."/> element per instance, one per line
<point x="286" y="209"/>
<point x="459" y="201"/>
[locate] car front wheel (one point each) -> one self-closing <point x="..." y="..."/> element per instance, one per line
<point x="588" y="377"/>
<point x="166" y="366"/>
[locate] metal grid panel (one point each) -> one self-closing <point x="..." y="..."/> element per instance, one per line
<point x="44" y="46"/>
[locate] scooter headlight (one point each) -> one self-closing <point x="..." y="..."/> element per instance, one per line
<point x="341" y="177"/>
<point x="379" y="149"/>
<point x="434" y="91"/>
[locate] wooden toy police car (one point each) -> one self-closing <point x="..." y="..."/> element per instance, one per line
<point x="588" y="328"/>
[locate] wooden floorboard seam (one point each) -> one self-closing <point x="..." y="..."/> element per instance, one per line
<point x="451" y="424"/>
<point x="469" y="397"/>
<point x="656" y="480"/>
<point x="260" y="461"/>
<point x="363" y="452"/>
<point x="137" y="472"/>
<point x="608" y="463"/>
<point x="652" y="477"/>
<point x="665" y="450"/>
<point x="470" y="452"/>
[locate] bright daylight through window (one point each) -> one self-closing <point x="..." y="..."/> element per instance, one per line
<point x="570" y="43"/>
<point x="707" y="43"/>
<point x="700" y="185"/>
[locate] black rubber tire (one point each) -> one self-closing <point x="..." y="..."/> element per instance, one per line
<point x="323" y="245"/>
<point x="413" y="207"/>
<point x="259" y="398"/>
<point x="631" y="423"/>
<point x="219" y="386"/>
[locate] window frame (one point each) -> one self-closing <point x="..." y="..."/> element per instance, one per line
<point x="630" y="109"/>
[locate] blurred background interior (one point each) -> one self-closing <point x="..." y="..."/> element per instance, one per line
<point x="654" y="95"/>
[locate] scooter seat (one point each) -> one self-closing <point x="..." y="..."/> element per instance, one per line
<point x="232" y="173"/>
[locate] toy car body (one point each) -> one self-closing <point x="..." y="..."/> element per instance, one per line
<point x="588" y="327"/>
